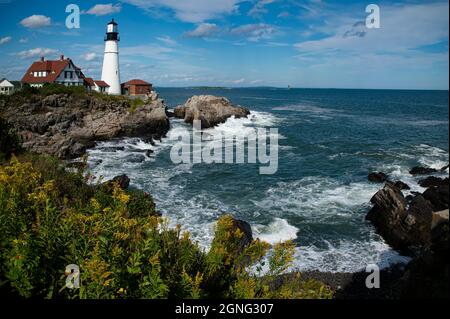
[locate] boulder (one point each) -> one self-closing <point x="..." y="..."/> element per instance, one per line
<point x="245" y="228"/>
<point x="122" y="180"/>
<point x="388" y="214"/>
<point x="210" y="110"/>
<point x="419" y="170"/>
<point x="402" y="186"/>
<point x="438" y="197"/>
<point x="409" y="224"/>
<point x="433" y="181"/>
<point x="377" y="177"/>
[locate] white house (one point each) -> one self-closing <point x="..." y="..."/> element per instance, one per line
<point x="6" y="87"/>
<point x="98" y="86"/>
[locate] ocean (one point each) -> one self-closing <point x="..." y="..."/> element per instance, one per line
<point x="329" y="141"/>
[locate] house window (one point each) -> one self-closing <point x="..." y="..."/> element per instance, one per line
<point x="35" y="74"/>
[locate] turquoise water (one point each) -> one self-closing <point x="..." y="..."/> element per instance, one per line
<point x="329" y="141"/>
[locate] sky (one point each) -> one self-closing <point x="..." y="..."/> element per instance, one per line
<point x="234" y="43"/>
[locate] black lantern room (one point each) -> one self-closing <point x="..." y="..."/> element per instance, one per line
<point x="112" y="31"/>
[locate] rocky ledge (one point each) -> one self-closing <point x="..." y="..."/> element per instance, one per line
<point x="210" y="110"/>
<point x="418" y="226"/>
<point x="66" y="125"/>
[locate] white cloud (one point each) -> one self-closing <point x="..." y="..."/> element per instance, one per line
<point x="37" y="52"/>
<point x="104" y="9"/>
<point x="254" y="32"/>
<point x="89" y="56"/>
<point x="167" y="40"/>
<point x="36" y="21"/>
<point x="23" y="40"/>
<point x="390" y="57"/>
<point x="5" y="40"/>
<point x="203" y="30"/>
<point x="259" y="8"/>
<point x="402" y="28"/>
<point x="195" y="11"/>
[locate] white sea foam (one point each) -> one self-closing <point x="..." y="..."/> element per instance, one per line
<point x="347" y="256"/>
<point x="312" y="200"/>
<point x="277" y="231"/>
<point x="317" y="198"/>
<point x="431" y="156"/>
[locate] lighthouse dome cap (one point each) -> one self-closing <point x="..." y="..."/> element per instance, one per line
<point x="113" y="22"/>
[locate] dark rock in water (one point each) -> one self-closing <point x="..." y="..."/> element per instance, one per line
<point x="438" y="196"/>
<point x="444" y="168"/>
<point x="122" y="180"/>
<point x="407" y="223"/>
<point x="170" y="114"/>
<point x="419" y="170"/>
<point x="402" y="186"/>
<point x="135" y="158"/>
<point x="377" y="177"/>
<point x="387" y="215"/>
<point x="149" y="153"/>
<point x="418" y="221"/>
<point x="245" y="228"/>
<point x="112" y="148"/>
<point x="433" y="181"/>
<point x="150" y="141"/>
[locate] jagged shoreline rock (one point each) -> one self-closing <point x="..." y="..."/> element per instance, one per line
<point x="66" y="125"/>
<point x="210" y="110"/>
<point x="418" y="226"/>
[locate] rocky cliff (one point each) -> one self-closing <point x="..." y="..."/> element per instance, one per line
<point x="65" y="125"/>
<point x="210" y="110"/>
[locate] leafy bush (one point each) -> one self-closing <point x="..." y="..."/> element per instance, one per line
<point x="123" y="248"/>
<point x="9" y="141"/>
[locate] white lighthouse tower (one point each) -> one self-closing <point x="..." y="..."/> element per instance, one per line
<point x="111" y="71"/>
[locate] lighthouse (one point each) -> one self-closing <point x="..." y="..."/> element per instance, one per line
<point x="111" y="71"/>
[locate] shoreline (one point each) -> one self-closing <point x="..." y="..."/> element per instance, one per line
<point x="347" y="284"/>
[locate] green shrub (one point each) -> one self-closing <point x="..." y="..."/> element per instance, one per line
<point x="123" y="248"/>
<point x="135" y="104"/>
<point x="9" y="141"/>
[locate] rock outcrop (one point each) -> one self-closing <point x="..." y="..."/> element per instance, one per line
<point x="407" y="225"/>
<point x="210" y="110"/>
<point x="66" y="125"/>
<point x="377" y="177"/>
<point x="419" y="170"/>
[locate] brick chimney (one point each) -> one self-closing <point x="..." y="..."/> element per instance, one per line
<point x="62" y="57"/>
<point x="42" y="59"/>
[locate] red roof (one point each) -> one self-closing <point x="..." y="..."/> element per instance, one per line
<point x="53" y="69"/>
<point x="136" y="82"/>
<point x="102" y="84"/>
<point x="89" y="81"/>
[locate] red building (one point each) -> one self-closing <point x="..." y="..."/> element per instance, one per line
<point x="62" y="71"/>
<point x="136" y="87"/>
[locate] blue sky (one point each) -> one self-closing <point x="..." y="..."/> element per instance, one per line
<point x="309" y="43"/>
